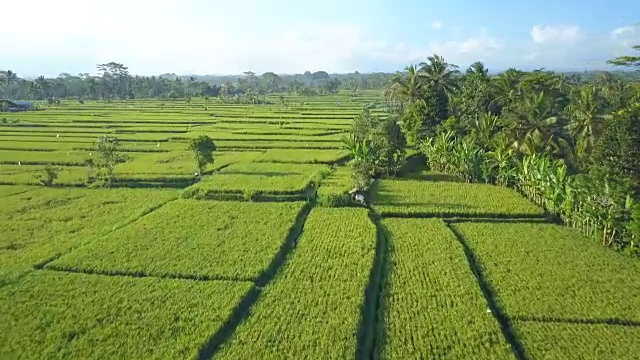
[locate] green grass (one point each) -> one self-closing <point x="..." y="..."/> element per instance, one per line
<point x="53" y="315"/>
<point x="578" y="341"/>
<point x="7" y="190"/>
<point x="309" y="145"/>
<point x="42" y="223"/>
<point x="193" y="239"/>
<point x="177" y="163"/>
<point x="264" y="178"/>
<point x="334" y="189"/>
<point x="313" y="308"/>
<point x="28" y="174"/>
<point x="443" y="198"/>
<point x="433" y="307"/>
<point x="549" y="272"/>
<point x="72" y="158"/>
<point x="303" y="156"/>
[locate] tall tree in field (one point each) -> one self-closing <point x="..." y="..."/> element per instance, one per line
<point x="115" y="79"/>
<point x="586" y="124"/>
<point x="107" y="159"/>
<point x="406" y="88"/>
<point x="474" y="96"/>
<point x="202" y="148"/>
<point x="9" y="78"/>
<point x="438" y="75"/>
<point x="43" y="85"/>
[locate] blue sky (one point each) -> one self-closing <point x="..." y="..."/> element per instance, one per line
<point x="287" y="36"/>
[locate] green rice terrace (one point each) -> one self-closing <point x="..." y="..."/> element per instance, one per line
<point x="264" y="255"/>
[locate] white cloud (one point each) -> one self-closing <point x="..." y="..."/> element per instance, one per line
<point x="437" y="25"/>
<point x="566" y="34"/>
<point x="480" y="46"/>
<point x="626" y="36"/>
<point x="623" y="30"/>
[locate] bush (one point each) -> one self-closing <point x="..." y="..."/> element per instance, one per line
<point x="48" y="176"/>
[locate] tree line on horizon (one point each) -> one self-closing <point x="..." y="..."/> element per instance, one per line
<point x="114" y="82"/>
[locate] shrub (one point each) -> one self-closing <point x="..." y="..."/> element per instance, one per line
<point x="48" y="176"/>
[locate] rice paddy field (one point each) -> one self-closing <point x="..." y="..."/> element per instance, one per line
<point x="266" y="257"/>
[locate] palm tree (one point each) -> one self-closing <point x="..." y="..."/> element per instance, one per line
<point x="438" y="74"/>
<point x="506" y="86"/>
<point x="585" y="123"/>
<point x="9" y="78"/>
<point x="43" y="85"/>
<point x="406" y="88"/>
<point x="33" y="91"/>
<point x="535" y="128"/>
<point x="612" y="90"/>
<point x="479" y="69"/>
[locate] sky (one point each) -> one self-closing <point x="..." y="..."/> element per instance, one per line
<point x="152" y="37"/>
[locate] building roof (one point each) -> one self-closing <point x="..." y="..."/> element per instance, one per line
<point x="23" y="103"/>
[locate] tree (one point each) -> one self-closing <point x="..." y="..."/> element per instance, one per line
<point x="478" y="68"/>
<point x="362" y="125"/>
<point x="617" y="151"/>
<point x="43" y="85"/>
<point x="534" y="127"/>
<point x="271" y="82"/>
<point x="363" y="163"/>
<point x="406" y="88"/>
<point x="115" y="80"/>
<point x="48" y="176"/>
<point x="438" y="75"/>
<point x="9" y="78"/>
<point x="506" y="88"/>
<point x="202" y="148"/>
<point x="586" y="122"/>
<point x="474" y="97"/>
<point x="390" y="144"/>
<point x="108" y="157"/>
<point x="419" y="120"/>
<point x="629" y="61"/>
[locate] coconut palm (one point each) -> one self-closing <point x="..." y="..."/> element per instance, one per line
<point x="585" y="123"/>
<point x="438" y="74"/>
<point x="9" y="78"/>
<point x="439" y="77"/>
<point x="478" y="69"/>
<point x="506" y="87"/>
<point x="535" y="128"/>
<point x="406" y="88"/>
<point x="43" y="85"/>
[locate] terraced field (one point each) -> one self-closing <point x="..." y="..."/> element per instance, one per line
<point x="266" y="257"/>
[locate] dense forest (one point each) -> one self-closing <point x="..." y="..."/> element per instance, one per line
<point x="570" y="145"/>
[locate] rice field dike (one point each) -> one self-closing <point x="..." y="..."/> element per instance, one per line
<point x="267" y="252"/>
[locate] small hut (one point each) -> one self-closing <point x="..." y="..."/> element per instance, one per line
<point x="358" y="197"/>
